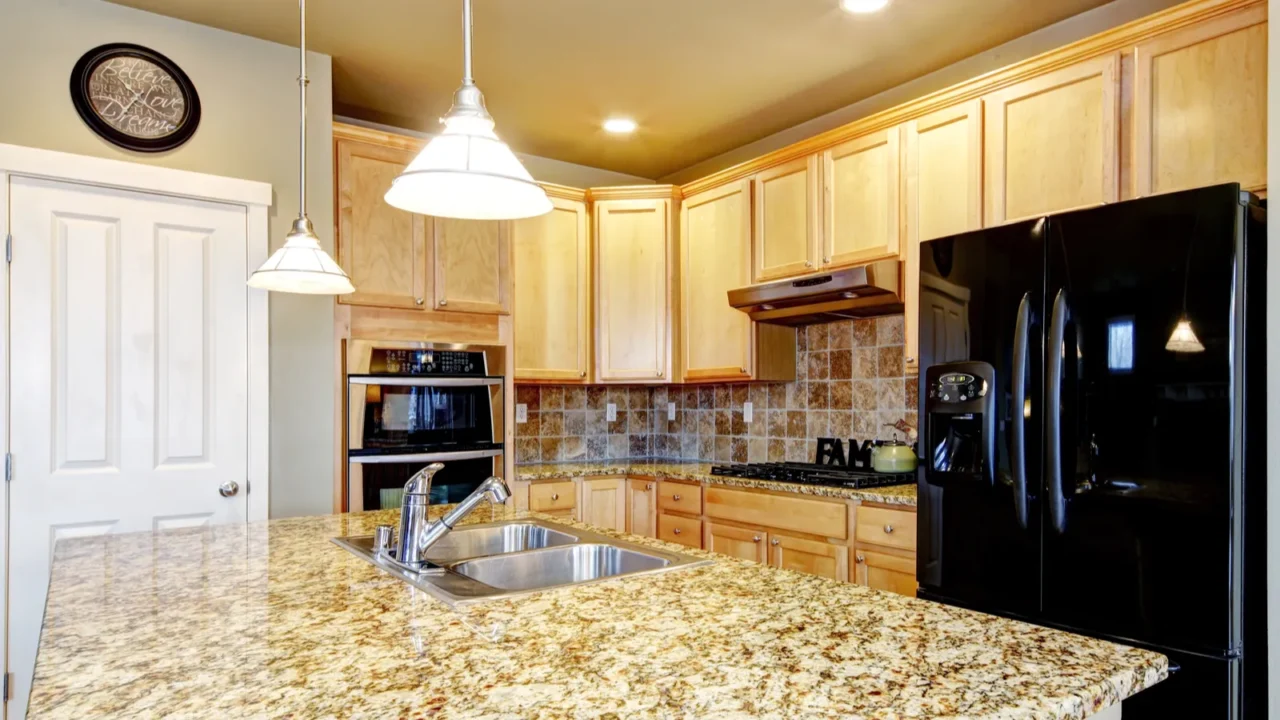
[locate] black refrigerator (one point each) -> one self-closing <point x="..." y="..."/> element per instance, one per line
<point x="1092" y="441"/>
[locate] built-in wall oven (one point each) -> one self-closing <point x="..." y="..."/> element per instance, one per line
<point x="412" y="404"/>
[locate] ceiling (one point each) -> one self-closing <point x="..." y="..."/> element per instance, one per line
<point x="701" y="77"/>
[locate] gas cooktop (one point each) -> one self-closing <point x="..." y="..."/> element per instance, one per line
<point x="814" y="474"/>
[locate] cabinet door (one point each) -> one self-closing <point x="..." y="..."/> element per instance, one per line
<point x="944" y="193"/>
<point x="604" y="503"/>
<point x="787" y="224"/>
<point x="472" y="262"/>
<point x="553" y="294"/>
<point x="382" y="248"/>
<point x="682" y="530"/>
<point x="1051" y="142"/>
<point x="860" y="200"/>
<point x="642" y="507"/>
<point x="1200" y="105"/>
<point x="744" y="543"/>
<point x="634" y="257"/>
<point x="809" y="556"/>
<point x="890" y="573"/>
<point x="717" y="340"/>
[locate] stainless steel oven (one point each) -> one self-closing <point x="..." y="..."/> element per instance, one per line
<point x="412" y="404"/>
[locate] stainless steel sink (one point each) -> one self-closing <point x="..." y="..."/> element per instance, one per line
<point x="495" y="561"/>
<point x="558" y="566"/>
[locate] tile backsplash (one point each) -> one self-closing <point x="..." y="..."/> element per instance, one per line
<point x="850" y="382"/>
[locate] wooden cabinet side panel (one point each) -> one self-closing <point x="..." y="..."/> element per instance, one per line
<point x="552" y="308"/>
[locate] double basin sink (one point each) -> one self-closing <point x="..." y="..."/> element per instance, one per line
<point x="494" y="561"/>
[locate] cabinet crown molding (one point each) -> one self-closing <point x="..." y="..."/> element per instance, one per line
<point x="635" y="192"/>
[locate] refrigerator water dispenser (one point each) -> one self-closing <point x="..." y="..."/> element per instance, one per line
<point x="960" y="440"/>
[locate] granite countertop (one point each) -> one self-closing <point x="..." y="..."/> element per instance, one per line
<point x="274" y="620"/>
<point x="701" y="472"/>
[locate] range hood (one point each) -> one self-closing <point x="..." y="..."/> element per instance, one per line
<point x="866" y="291"/>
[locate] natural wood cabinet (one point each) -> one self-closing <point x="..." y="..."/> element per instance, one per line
<point x="472" y="265"/>
<point x="860" y="207"/>
<point x="886" y="527"/>
<point x="553" y="292"/>
<point x="1052" y="141"/>
<point x="642" y="507"/>
<point x="787" y="226"/>
<point x="603" y="503"/>
<point x="944" y="194"/>
<point x="682" y="530"/>
<point x="808" y="556"/>
<point x="382" y="248"/>
<point x="785" y="511"/>
<point x="636" y="268"/>
<point x="891" y="573"/>
<point x="739" y="542"/>
<point x="680" y="497"/>
<point x="557" y="497"/>
<point x="715" y="254"/>
<point x="1200" y="105"/>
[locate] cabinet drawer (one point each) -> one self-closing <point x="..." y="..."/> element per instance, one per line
<point x="889" y="528"/>
<point x="680" y="497"/>
<point x="546" y="497"/>
<point x="676" y="529"/>
<point x="784" y="512"/>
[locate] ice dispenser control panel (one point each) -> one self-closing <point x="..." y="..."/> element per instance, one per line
<point x="958" y="387"/>
<point x="960" y="424"/>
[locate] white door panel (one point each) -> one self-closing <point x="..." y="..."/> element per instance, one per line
<point x="128" y="376"/>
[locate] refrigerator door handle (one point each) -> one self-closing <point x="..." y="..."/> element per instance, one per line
<point x="1053" y="413"/>
<point x="1017" y="419"/>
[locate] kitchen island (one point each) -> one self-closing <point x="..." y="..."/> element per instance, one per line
<point x="274" y="620"/>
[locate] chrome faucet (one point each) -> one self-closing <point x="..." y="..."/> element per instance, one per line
<point x="417" y="534"/>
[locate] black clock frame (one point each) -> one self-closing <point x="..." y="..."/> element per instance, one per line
<point x="80" y="98"/>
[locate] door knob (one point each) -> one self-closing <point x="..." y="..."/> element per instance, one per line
<point x="229" y="488"/>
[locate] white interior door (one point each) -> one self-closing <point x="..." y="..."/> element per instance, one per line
<point x="128" y="377"/>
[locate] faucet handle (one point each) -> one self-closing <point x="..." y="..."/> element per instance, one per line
<point x="420" y="483"/>
<point x="382" y="540"/>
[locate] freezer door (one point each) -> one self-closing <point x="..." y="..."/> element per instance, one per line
<point x="981" y="303"/>
<point x="1200" y="688"/>
<point x="1140" y="414"/>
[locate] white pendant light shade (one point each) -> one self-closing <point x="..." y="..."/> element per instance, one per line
<point x="466" y="172"/>
<point x="301" y="266"/>
<point x="1184" y="339"/>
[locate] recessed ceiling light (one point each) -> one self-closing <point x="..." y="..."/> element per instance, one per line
<point x="620" y="126"/>
<point x="863" y="6"/>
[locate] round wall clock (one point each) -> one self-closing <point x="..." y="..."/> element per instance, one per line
<point x="135" y="97"/>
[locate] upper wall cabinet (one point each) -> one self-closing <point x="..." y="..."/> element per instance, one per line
<point x="860" y="200"/>
<point x="944" y="193"/>
<point x="1200" y="105"/>
<point x="636" y="267"/>
<point x="787" y="223"/>
<point x="383" y="249"/>
<point x="1051" y="142"/>
<point x="715" y="254"/>
<point x="553" y="292"/>
<point x="472" y="263"/>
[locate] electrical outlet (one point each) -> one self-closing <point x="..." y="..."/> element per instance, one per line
<point x="746" y="411"/>
<point x="611" y="412"/>
<point x="671" y="411"/>
<point x="522" y="413"/>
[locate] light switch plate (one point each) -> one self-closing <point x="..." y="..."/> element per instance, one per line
<point x="611" y="412"/>
<point x="746" y="411"/>
<point x="522" y="413"/>
<point x="671" y="411"/>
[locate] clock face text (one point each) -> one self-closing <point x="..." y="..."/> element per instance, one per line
<point x="136" y="97"/>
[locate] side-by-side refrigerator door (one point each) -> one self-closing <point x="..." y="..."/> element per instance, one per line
<point x="981" y="370"/>
<point x="1140" y="397"/>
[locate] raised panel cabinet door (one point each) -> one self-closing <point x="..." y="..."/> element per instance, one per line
<point x="809" y="556"/>
<point x="552" y="310"/>
<point x="472" y="265"/>
<point x="604" y="503"/>
<point x="382" y="248"/>
<point x="787" y="225"/>
<point x="744" y="543"/>
<point x="1200" y="105"/>
<point x="642" y="507"/>
<point x="944" y="194"/>
<point x="1051" y="142"/>
<point x="882" y="571"/>
<point x="861" y="200"/>
<point x="718" y="340"/>
<point x="634" y="259"/>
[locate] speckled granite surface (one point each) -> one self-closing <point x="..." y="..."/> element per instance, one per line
<point x="273" y="620"/>
<point x="701" y="472"/>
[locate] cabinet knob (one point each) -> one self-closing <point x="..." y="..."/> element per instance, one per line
<point x="860" y="559"/>
<point x="676" y="498"/>
<point x="419" y="301"/>
<point x="744" y="370"/>
<point x="755" y="538"/>
<point x="555" y="496"/>
<point x="658" y="374"/>
<point x="888" y="529"/>
<point x="774" y="542"/>
<point x="648" y="486"/>
<point x="442" y="303"/>
<point x="826" y="261"/>
<point x="582" y="374"/>
<point x="808" y="263"/>
<point x="676" y="531"/>
<point x="910" y="359"/>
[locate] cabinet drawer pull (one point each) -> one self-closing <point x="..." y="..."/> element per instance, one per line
<point x="860" y="559"/>
<point x="888" y="529"/>
<point x="676" y="498"/>
<point x="774" y="542"/>
<point x="676" y="531"/>
<point x="555" y="496"/>
<point x="755" y="538"/>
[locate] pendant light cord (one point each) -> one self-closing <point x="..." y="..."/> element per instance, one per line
<point x="466" y="43"/>
<point x="302" y="109"/>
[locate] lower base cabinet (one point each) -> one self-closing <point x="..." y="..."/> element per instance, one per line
<point x="681" y="530"/>
<point x="809" y="556"/>
<point x="744" y="543"/>
<point x="891" y="573"/>
<point x="604" y="503"/>
<point x="642" y="507"/>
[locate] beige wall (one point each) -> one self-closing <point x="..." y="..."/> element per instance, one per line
<point x="248" y="129"/>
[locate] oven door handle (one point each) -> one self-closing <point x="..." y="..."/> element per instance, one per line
<point x="422" y="381"/>
<point x="425" y="457"/>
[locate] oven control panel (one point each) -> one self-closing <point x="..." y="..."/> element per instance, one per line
<point x="427" y="362"/>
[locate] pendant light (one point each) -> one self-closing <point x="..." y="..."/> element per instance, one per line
<point x="466" y="171"/>
<point x="301" y="265"/>
<point x="1183" y="339"/>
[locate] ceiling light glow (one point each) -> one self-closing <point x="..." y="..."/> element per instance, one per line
<point x="863" y="6"/>
<point x="620" y="125"/>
